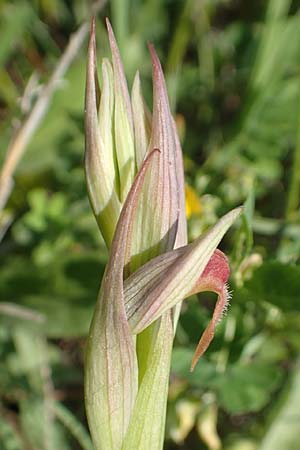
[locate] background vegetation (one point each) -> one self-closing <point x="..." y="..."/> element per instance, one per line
<point x="233" y="71"/>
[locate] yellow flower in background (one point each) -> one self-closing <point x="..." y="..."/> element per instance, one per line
<point x="193" y="205"/>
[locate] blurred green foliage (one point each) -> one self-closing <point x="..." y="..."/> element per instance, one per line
<point x="233" y="72"/>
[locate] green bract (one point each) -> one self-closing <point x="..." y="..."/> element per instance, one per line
<point x="135" y="182"/>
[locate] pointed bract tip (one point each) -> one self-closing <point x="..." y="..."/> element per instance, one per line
<point x="158" y="74"/>
<point x="150" y="47"/>
<point x="154" y="56"/>
<point x="93" y="25"/>
<point x="239" y="209"/>
<point x="233" y="214"/>
<point x="236" y="212"/>
<point x="137" y="79"/>
<point x="92" y="85"/>
<point x="92" y="41"/>
<point x="108" y="24"/>
<point x="111" y="36"/>
<point x="136" y="85"/>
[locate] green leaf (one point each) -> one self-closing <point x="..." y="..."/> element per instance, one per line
<point x="41" y="430"/>
<point x="15" y="19"/>
<point x="275" y="283"/>
<point x="9" y="437"/>
<point x="247" y="387"/>
<point x="63" y="292"/>
<point x="65" y="317"/>
<point x="284" y="430"/>
<point x="203" y="373"/>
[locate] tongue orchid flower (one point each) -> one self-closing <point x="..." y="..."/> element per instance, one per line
<point x="135" y="181"/>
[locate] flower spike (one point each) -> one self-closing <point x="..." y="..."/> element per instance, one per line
<point x="150" y="268"/>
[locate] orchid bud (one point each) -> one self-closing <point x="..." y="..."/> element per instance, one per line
<point x="123" y="129"/>
<point x="100" y="167"/>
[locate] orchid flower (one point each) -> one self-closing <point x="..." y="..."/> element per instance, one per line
<point x="135" y="181"/>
